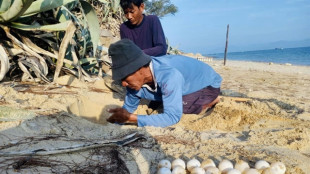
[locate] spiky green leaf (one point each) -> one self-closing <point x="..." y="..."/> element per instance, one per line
<point x="5" y="5"/>
<point x="4" y="63"/>
<point x="44" y="5"/>
<point x="16" y="10"/>
<point x="93" y="24"/>
<point x="115" y="5"/>
<point x="37" y="27"/>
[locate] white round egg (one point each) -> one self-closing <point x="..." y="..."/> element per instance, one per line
<point x="163" y="170"/>
<point x="241" y="165"/>
<point x="178" y="170"/>
<point x="270" y="170"/>
<point x="225" y="164"/>
<point x="164" y="163"/>
<point x="261" y="165"/>
<point x="279" y="167"/>
<point x="212" y="170"/>
<point x="233" y="171"/>
<point x="197" y="170"/>
<point x="251" y="171"/>
<point x="178" y="162"/>
<point x="207" y="163"/>
<point x="192" y="164"/>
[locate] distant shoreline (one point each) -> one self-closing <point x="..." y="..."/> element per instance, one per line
<point x="262" y="66"/>
<point x="294" y="56"/>
<point x="286" y="64"/>
<point x="277" y="48"/>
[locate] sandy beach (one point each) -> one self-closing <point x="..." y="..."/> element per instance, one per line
<point x="264" y="113"/>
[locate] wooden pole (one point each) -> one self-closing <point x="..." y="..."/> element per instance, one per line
<point x="226" y="45"/>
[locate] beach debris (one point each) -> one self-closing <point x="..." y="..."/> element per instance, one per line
<point x="15" y="114"/>
<point x="101" y="160"/>
<point x="163" y="170"/>
<point x="178" y="162"/>
<point x="164" y="163"/>
<point x="231" y="93"/>
<point x="41" y="89"/>
<point x="225" y="165"/>
<point x="261" y="165"/>
<point x="197" y="170"/>
<point x="192" y="164"/>
<point x="238" y="99"/>
<point x="76" y="147"/>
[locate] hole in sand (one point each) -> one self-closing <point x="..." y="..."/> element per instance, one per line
<point x="91" y="110"/>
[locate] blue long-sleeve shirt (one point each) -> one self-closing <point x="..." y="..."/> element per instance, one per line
<point x="175" y="76"/>
<point x="148" y="35"/>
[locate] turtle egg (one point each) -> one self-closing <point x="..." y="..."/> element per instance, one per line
<point x="164" y="163"/>
<point x="225" y="164"/>
<point x="279" y="167"/>
<point x="197" y="170"/>
<point x="178" y="162"/>
<point x="241" y="165"/>
<point x="178" y="170"/>
<point x="261" y="165"/>
<point x="207" y="163"/>
<point x="212" y="170"/>
<point x="163" y="170"/>
<point x="251" y="171"/>
<point x="270" y="170"/>
<point x="192" y="163"/>
<point x="233" y="171"/>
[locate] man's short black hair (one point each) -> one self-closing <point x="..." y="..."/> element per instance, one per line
<point x="128" y="3"/>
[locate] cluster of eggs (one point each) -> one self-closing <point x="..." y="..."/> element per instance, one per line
<point x="194" y="166"/>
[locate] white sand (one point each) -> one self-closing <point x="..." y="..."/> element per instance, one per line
<point x="273" y="124"/>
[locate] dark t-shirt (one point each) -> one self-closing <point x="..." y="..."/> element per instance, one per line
<point x="148" y="35"/>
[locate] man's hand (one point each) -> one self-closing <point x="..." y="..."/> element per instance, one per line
<point x="120" y="115"/>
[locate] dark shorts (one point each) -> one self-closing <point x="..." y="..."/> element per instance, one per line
<point x="193" y="103"/>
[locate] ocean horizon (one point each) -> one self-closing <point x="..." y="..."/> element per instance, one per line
<point x="294" y="56"/>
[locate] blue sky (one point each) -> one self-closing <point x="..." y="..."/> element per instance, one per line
<point x="200" y="25"/>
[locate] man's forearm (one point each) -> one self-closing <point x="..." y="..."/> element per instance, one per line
<point x="156" y="51"/>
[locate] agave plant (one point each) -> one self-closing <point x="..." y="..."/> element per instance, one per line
<point x="4" y="63"/>
<point x="43" y="35"/>
<point x="172" y="50"/>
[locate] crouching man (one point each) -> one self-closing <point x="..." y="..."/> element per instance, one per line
<point x="183" y="84"/>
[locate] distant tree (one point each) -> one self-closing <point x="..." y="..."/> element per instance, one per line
<point x="160" y="8"/>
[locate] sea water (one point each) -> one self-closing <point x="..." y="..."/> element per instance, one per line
<point x="294" y="56"/>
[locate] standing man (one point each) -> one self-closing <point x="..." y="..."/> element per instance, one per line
<point x="145" y="31"/>
<point x="183" y="84"/>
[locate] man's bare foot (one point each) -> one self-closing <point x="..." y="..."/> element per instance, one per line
<point x="210" y="105"/>
<point x="215" y="101"/>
